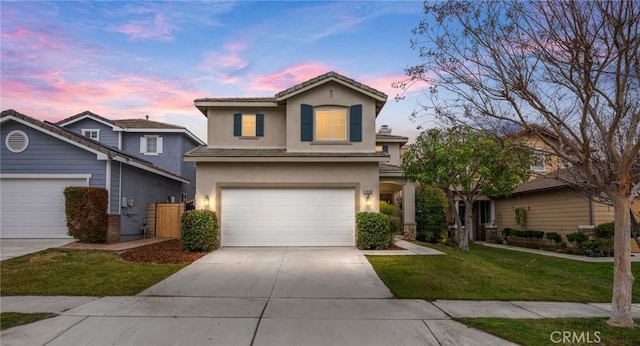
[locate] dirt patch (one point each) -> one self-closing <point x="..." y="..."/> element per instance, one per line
<point x="395" y="247"/>
<point x="165" y="252"/>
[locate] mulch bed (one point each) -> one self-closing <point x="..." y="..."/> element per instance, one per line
<point x="165" y="252"/>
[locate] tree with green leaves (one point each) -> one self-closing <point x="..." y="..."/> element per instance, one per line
<point x="569" y="67"/>
<point x="466" y="164"/>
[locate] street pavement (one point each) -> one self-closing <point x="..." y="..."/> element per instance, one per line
<point x="271" y="296"/>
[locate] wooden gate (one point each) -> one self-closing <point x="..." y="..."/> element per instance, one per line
<point x="168" y="220"/>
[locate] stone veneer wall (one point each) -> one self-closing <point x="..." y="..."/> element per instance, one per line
<point x="409" y="230"/>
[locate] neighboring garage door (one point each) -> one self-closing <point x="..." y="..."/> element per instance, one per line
<point x="34" y="208"/>
<point x="288" y="217"/>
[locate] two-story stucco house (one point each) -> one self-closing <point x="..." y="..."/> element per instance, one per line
<point x="294" y="169"/>
<point x="39" y="159"/>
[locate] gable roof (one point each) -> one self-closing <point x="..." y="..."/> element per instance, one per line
<point x="103" y="152"/>
<point x="145" y="124"/>
<point x="131" y="125"/>
<point x="282" y="96"/>
<point x="87" y="114"/>
<point x="332" y="76"/>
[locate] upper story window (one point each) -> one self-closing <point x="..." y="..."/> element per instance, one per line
<point x="538" y="160"/>
<point x="382" y="148"/>
<point x="331" y="124"/>
<point x="248" y="125"/>
<point x="151" y="145"/>
<point x="326" y="124"/>
<point x="91" y="133"/>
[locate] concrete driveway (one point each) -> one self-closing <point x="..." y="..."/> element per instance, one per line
<point x="278" y="273"/>
<point x="258" y="296"/>
<point x="10" y="248"/>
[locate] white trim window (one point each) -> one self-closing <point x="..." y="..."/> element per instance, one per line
<point x="331" y="124"/>
<point x="151" y="145"/>
<point x="538" y="160"/>
<point x="91" y="133"/>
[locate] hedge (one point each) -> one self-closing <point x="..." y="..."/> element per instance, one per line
<point x="198" y="230"/>
<point x="86" y="212"/>
<point x="374" y="231"/>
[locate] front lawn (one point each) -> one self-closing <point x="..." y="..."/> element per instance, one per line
<point x="563" y="331"/>
<point x="79" y="273"/>
<point x="486" y="273"/>
<point x="12" y="319"/>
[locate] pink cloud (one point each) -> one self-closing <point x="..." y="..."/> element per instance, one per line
<point x="288" y="77"/>
<point x="128" y="96"/>
<point x="156" y="28"/>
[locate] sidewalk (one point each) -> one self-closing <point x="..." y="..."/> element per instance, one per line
<point x="634" y="257"/>
<point x="120" y="246"/>
<point x="451" y="308"/>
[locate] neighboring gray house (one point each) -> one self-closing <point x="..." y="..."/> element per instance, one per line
<point x="294" y="169"/>
<point x="161" y="144"/>
<point x="39" y="159"/>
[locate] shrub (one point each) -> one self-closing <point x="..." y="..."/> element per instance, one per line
<point x="374" y="230"/>
<point x="598" y="247"/>
<point x="520" y="214"/>
<point x="506" y="232"/>
<point x="431" y="219"/>
<point x="577" y="238"/>
<point x="387" y="209"/>
<point x="605" y="230"/>
<point x="86" y="212"/>
<point x="198" y="230"/>
<point x="555" y="237"/>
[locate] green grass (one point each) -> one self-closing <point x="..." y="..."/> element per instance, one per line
<point x="486" y="273"/>
<point x="79" y="273"/>
<point x="12" y="319"/>
<point x="536" y="332"/>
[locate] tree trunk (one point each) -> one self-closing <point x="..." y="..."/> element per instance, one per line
<point x="622" y="275"/>
<point x="456" y="216"/>
<point x="468" y="225"/>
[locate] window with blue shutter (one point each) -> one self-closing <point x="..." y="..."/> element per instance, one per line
<point x="355" y="123"/>
<point x="259" y="125"/>
<point x="306" y="123"/>
<point x="237" y="125"/>
<point x="248" y="125"/>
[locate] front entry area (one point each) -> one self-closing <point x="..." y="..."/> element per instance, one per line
<point x="287" y="217"/>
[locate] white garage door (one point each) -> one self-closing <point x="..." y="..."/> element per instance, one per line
<point x="288" y="217"/>
<point x="34" y="208"/>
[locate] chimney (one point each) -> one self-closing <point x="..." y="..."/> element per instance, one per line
<point x="385" y="130"/>
<point x="147" y="116"/>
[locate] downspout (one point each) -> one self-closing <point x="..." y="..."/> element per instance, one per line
<point x="592" y="217"/>
<point x="107" y="184"/>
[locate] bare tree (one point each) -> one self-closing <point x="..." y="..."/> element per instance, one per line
<point x="571" y="67"/>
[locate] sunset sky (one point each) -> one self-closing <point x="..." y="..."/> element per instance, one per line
<point x="124" y="59"/>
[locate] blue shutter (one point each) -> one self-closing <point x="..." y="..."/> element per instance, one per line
<point x="355" y="123"/>
<point x="260" y="125"/>
<point x="385" y="149"/>
<point x="237" y="125"/>
<point x="306" y="123"/>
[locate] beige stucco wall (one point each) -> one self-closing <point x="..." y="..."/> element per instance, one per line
<point x="549" y="211"/>
<point x="212" y="177"/>
<point x="220" y="128"/>
<point x="331" y="94"/>
<point x="394" y="152"/>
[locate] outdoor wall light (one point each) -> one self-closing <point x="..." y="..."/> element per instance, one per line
<point x="368" y="194"/>
<point x="206" y="201"/>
